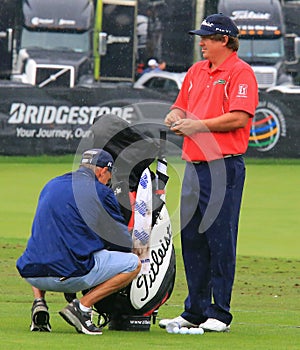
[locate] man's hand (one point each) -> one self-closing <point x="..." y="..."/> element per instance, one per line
<point x="190" y="125"/>
<point x="187" y="127"/>
<point x="142" y="252"/>
<point x="174" y="116"/>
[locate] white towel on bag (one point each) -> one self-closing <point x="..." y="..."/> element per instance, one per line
<point x="143" y="220"/>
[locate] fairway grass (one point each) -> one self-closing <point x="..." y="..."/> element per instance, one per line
<point x="266" y="294"/>
<point x="265" y="306"/>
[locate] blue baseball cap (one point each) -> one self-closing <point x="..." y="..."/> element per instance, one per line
<point x="98" y="157"/>
<point x="217" y="24"/>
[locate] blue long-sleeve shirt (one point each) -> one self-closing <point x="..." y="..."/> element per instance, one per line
<point x="76" y="216"/>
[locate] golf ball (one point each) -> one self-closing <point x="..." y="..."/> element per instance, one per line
<point x="176" y="330"/>
<point x="183" y="330"/>
<point x="196" y="331"/>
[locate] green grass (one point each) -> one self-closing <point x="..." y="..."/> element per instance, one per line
<point x="266" y="293"/>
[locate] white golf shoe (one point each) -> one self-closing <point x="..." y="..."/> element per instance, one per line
<point x="180" y="320"/>
<point x="214" y="325"/>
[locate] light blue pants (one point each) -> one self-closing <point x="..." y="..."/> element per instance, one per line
<point x="107" y="265"/>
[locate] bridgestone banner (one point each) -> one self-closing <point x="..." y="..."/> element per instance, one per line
<point x="36" y="121"/>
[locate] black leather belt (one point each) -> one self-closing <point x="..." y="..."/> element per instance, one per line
<point x="225" y="157"/>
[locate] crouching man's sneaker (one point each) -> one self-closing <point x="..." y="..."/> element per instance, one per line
<point x="214" y="325"/>
<point x="81" y="320"/>
<point x="40" y="316"/>
<point x="180" y="320"/>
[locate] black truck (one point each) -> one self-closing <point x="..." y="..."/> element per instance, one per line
<point x="262" y="38"/>
<point x="71" y="42"/>
<point x="291" y="13"/>
<point x="9" y="18"/>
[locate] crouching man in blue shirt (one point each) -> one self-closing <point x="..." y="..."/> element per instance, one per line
<point x="79" y="241"/>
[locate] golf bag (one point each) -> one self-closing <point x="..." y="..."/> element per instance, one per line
<point x="133" y="307"/>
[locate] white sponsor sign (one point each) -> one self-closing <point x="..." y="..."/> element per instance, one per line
<point x="22" y="113"/>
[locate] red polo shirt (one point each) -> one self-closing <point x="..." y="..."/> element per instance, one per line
<point x="207" y="94"/>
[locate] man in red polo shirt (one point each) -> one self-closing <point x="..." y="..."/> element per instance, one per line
<point x="213" y="113"/>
